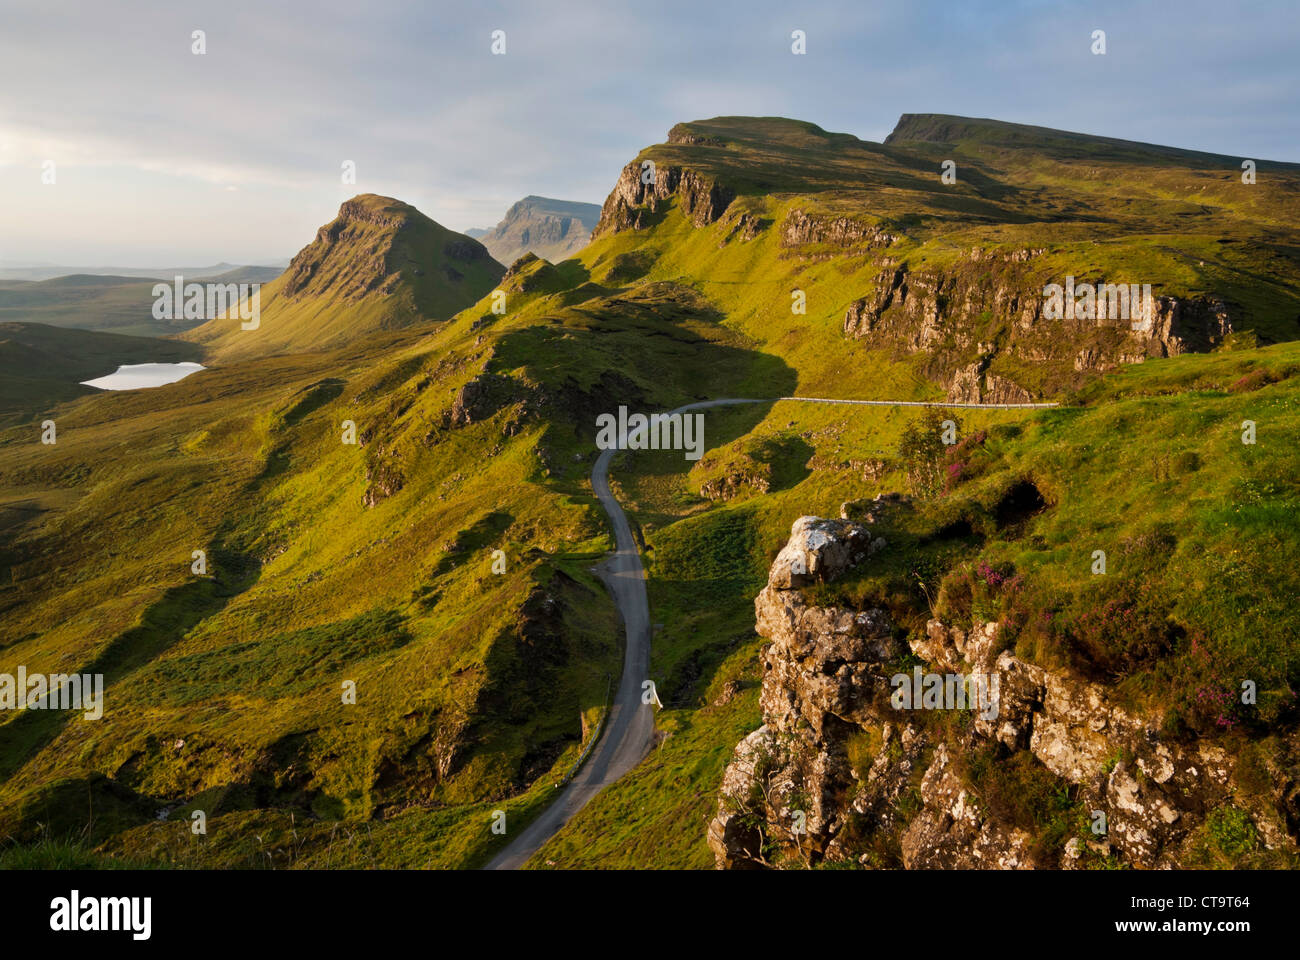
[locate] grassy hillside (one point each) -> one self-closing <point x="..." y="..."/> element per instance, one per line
<point x="373" y="562"/>
<point x="41" y="366"/>
<point x="329" y="562"/>
<point x="111" y="304"/>
<point x="1168" y="490"/>
<point x="379" y="265"/>
<point x="121" y="305"/>
<point x="1165" y="217"/>
<point x="224" y="688"/>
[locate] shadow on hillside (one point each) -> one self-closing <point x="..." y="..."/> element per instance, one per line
<point x="472" y="539"/>
<point x="312" y="398"/>
<point x="178" y="611"/>
<point x="650" y="350"/>
<point x="688" y="673"/>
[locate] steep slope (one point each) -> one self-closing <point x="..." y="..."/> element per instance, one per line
<point x="749" y="211"/>
<point x="1157" y="690"/>
<point x="476" y="690"/>
<point x="550" y="229"/>
<point x="327" y="561"/>
<point x="379" y="265"/>
<point x="953" y="274"/>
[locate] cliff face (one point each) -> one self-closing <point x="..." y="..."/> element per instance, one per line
<point x="951" y="277"/>
<point x="837" y="772"/>
<point x="990" y="307"/>
<point x="550" y="229"/>
<point x="976" y="323"/>
<point x="632" y="202"/>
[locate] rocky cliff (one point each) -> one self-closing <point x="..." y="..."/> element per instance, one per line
<point x="840" y="771"/>
<point x="951" y="277"/>
<point x="641" y="191"/>
<point x="550" y="229"/>
<point x="984" y="316"/>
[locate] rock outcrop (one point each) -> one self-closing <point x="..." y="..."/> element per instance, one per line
<point x="638" y="195"/>
<point x="989" y="308"/>
<point x="800" y="789"/>
<point x="481" y="397"/>
<point x="847" y="234"/>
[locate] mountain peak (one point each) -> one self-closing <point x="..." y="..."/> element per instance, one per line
<point x="379" y="264"/>
<point x="365" y="249"/>
<point x="373" y="208"/>
<point x="552" y="229"/>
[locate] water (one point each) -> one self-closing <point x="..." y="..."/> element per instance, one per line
<point x="136" y="376"/>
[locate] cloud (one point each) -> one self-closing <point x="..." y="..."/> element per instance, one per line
<point x="411" y="92"/>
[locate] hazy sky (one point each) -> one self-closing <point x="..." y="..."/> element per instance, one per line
<point x="163" y="157"/>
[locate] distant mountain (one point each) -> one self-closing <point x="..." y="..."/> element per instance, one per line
<point x="247" y="274"/>
<point x="379" y="265"/>
<point x="552" y="229"/>
<point x="121" y="304"/>
<point x="21" y="270"/>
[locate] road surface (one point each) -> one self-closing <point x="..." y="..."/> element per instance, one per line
<point x="629" y="728"/>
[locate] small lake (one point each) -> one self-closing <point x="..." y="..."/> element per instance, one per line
<point x="136" y="376"/>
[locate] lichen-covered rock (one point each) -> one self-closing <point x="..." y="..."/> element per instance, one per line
<point x="633" y="199"/>
<point x="951" y="832"/>
<point x="819" y="550"/>
<point x="826" y="698"/>
<point x="822" y="672"/>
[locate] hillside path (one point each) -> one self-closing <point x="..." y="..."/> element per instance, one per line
<point x="628" y="731"/>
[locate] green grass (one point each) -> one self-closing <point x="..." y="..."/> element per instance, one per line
<point x="380" y="265"/>
<point x="42" y="366"/>
<point x="373" y="562"/>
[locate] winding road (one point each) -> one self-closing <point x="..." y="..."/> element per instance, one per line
<point x="628" y="731"/>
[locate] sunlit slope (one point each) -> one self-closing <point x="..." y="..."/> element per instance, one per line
<point x="374" y="562"/>
<point x="314" y="575"/>
<point x="379" y="265"/>
<point x="755" y="212"/>
<point x="329" y="561"/>
<point x="1150" y="468"/>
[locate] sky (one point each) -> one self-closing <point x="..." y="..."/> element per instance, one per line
<point x="165" y="157"/>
